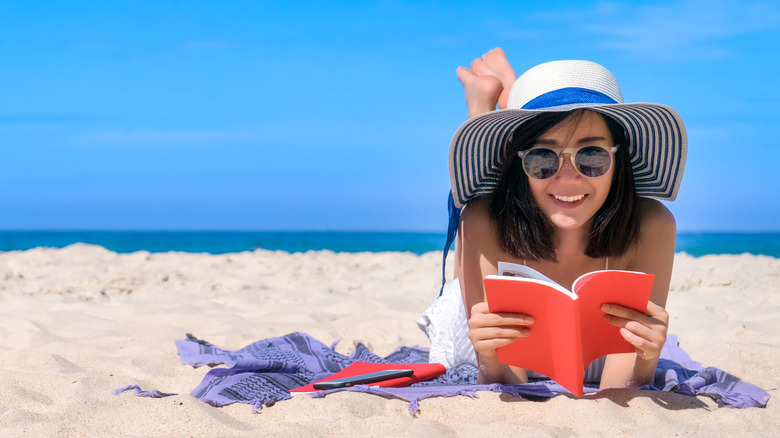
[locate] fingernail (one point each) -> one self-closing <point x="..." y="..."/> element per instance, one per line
<point x="529" y="319"/>
<point x="605" y="307"/>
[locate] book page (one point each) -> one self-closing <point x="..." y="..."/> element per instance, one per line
<point x="626" y="288"/>
<point x="507" y="269"/>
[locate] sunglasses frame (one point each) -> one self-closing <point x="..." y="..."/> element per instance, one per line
<point x="611" y="152"/>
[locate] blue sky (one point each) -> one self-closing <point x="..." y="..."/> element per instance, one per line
<point x="338" y="115"/>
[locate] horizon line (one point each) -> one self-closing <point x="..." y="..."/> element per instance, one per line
<point x="313" y="230"/>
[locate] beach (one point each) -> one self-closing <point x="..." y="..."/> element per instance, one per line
<point x="80" y="322"/>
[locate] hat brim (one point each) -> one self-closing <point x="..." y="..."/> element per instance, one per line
<point x="659" y="146"/>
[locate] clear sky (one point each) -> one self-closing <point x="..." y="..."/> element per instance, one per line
<point x="338" y="115"/>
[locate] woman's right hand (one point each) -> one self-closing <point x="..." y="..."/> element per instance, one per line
<point x="489" y="331"/>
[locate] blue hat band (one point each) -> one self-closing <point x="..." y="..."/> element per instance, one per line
<point x="568" y="96"/>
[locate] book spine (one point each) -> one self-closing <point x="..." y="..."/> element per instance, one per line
<point x="567" y="357"/>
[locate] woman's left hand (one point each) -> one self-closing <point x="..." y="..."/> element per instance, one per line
<point x="645" y="331"/>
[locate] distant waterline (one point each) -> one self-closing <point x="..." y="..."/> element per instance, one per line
<point x="221" y="242"/>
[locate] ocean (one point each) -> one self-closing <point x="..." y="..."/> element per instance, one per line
<point x="221" y="242"/>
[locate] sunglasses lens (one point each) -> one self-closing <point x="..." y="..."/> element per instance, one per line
<point x="593" y="161"/>
<point x="540" y="163"/>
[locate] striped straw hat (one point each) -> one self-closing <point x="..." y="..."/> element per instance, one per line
<point x="656" y="133"/>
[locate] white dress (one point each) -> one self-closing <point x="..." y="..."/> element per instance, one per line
<point x="447" y="327"/>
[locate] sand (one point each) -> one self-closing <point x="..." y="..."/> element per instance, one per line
<point x="79" y="322"/>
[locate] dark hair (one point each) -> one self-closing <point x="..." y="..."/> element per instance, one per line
<point x="525" y="232"/>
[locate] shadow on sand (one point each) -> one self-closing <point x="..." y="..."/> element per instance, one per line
<point x="622" y="397"/>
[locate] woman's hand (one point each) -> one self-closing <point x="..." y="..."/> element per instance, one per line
<point x="645" y="331"/>
<point x="489" y="331"/>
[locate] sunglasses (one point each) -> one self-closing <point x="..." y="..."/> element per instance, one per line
<point x="589" y="161"/>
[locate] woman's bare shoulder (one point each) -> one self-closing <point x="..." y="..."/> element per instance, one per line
<point x="477" y="228"/>
<point x="475" y="216"/>
<point x="656" y="219"/>
<point x="657" y="234"/>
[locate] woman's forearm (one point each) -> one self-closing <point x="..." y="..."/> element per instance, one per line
<point x="628" y="371"/>
<point x="491" y="371"/>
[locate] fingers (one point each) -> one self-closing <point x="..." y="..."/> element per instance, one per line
<point x="483" y="317"/>
<point x="499" y="321"/>
<point x="654" y="311"/>
<point x="645" y="331"/>
<point x="487" y="344"/>
<point x="509" y="334"/>
<point x="488" y="331"/>
<point x="621" y="311"/>
<point x="487" y="339"/>
<point x="640" y="335"/>
<point x="645" y="347"/>
<point x="656" y="320"/>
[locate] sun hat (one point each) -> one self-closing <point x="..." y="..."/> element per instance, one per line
<point x="655" y="132"/>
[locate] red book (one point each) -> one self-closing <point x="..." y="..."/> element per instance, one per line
<point x="569" y="330"/>
<point x="422" y="371"/>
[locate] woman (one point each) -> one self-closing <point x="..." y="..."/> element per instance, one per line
<point x="553" y="182"/>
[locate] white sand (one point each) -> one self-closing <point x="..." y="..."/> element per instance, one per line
<point x="80" y="322"/>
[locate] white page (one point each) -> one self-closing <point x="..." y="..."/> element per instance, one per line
<point x="515" y="270"/>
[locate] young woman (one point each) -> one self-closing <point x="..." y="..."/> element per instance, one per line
<point x="560" y="180"/>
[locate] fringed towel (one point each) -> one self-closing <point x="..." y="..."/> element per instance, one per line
<point x="262" y="373"/>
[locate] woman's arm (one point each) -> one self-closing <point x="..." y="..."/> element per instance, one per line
<point x="478" y="253"/>
<point x="653" y="254"/>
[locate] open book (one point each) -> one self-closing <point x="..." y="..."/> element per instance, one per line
<point x="569" y="330"/>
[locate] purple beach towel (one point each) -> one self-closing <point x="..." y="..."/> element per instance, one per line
<point x="262" y="373"/>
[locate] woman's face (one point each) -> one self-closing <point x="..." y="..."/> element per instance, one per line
<point x="569" y="199"/>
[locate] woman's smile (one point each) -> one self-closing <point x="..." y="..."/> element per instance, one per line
<point x="569" y="201"/>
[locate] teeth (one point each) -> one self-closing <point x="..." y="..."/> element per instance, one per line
<point x="569" y="198"/>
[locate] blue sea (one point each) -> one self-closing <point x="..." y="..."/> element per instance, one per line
<point x="221" y="242"/>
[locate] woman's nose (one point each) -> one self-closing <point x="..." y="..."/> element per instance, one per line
<point x="567" y="167"/>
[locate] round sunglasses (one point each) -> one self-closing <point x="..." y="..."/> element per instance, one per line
<point x="589" y="161"/>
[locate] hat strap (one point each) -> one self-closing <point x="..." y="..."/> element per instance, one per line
<point x="452" y="229"/>
<point x="568" y="96"/>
